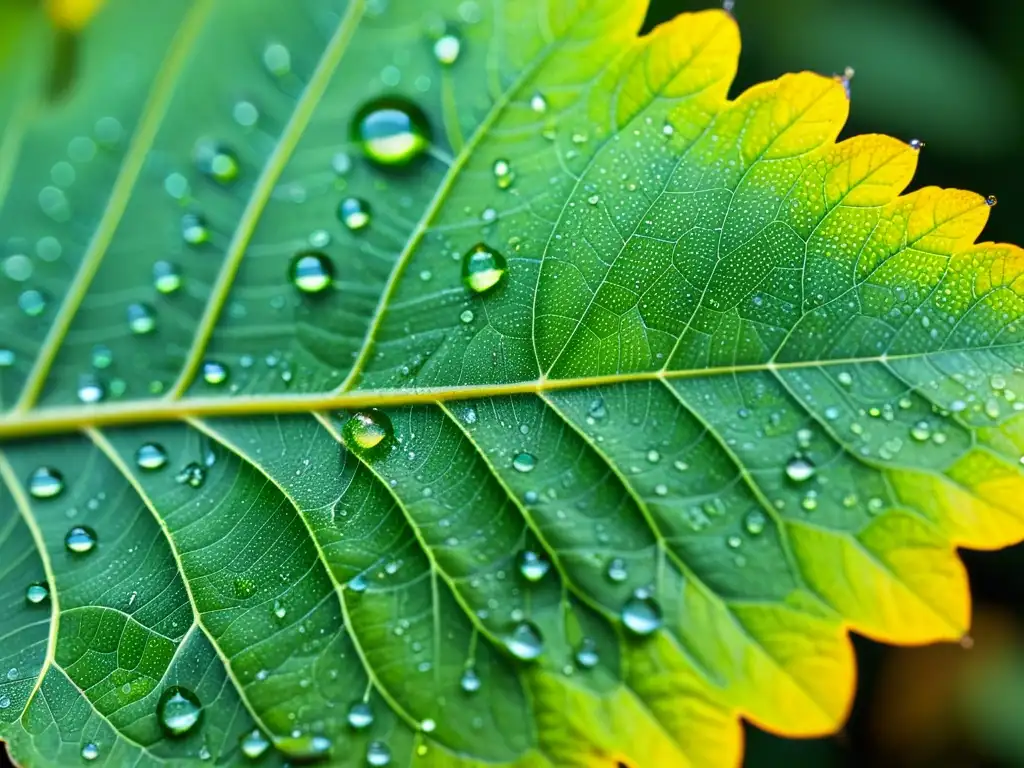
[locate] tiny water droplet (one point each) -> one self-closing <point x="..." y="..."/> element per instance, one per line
<point x="194" y="230"/>
<point x="641" y="614"/>
<point x="214" y="373"/>
<point x="37" y="593"/>
<point x="277" y="59"/>
<point x="150" y="456"/>
<point x="311" y="272"/>
<point x="921" y="431"/>
<point x="354" y="213"/>
<point x="755" y="522"/>
<point x="525" y="641"/>
<point x="45" y="483"/>
<point x="466" y="316"/>
<point x="305" y="746"/>
<point x="141" y="318"/>
<point x="32" y="302"/>
<point x="428" y="726"/>
<point x="216" y="161"/>
<point x="369" y="430"/>
<point x="533" y="566"/>
<point x="503" y="175"/>
<point x="447" y="48"/>
<point x="391" y="131"/>
<point x="80" y="540"/>
<point x="524" y="462"/>
<point x="617" y="571"/>
<point x="538" y="104"/>
<point x="178" y="711"/>
<point x="845" y="378"/>
<point x="90" y="390"/>
<point x="192" y="474"/>
<point x="586" y="654"/>
<point x="254" y="744"/>
<point x="245" y="113"/>
<point x="360" y="715"/>
<point x="90" y="751"/>
<point x="733" y="542"/>
<point x="470" y="681"/>
<point x="378" y="754"/>
<point x="799" y="469"/>
<point x="166" y="277"/>
<point x="7" y="358"/>
<point x="483" y="268"/>
<point x="991" y="201"/>
<point x="916" y="144"/>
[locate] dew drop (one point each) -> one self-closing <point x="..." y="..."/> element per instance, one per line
<point x="617" y="571"/>
<point x="586" y="654"/>
<point x="32" y="302"/>
<point x="18" y="267"/>
<point x="483" y="268"/>
<point x="277" y="59"/>
<point x="5" y="702"/>
<point x="178" y="711"/>
<point x="524" y="462"/>
<point x="921" y="431"/>
<point x="428" y="726"/>
<point x="641" y="614"/>
<point x="845" y="378"/>
<point x="141" y="319"/>
<point x="597" y="410"/>
<point x="503" y="175"/>
<point x="447" y="48"/>
<point x="194" y="230"/>
<point x="360" y="716"/>
<point x="378" y="754"/>
<point x="245" y="114"/>
<point x="799" y="469"/>
<point x="341" y="163"/>
<point x="37" y="593"/>
<point x="192" y="474"/>
<point x="45" y="483"/>
<point x="916" y="145"/>
<point x="90" y="390"/>
<point x="369" y="430"/>
<point x="80" y="540"/>
<point x="311" y="272"/>
<point x="391" y="131"/>
<point x="305" y="746"/>
<point x="254" y="744"/>
<point x="216" y="161"/>
<point x="991" y="201"/>
<point x="319" y="238"/>
<point x="150" y="456"/>
<point x="538" y="104"/>
<point x="7" y="358"/>
<point x="755" y="522"/>
<point x="90" y="751"/>
<point x="470" y="681"/>
<point x="525" y="641"/>
<point x="354" y="213"/>
<point x="733" y="542"/>
<point x="533" y="566"/>
<point x="214" y="373"/>
<point x="467" y="316"/>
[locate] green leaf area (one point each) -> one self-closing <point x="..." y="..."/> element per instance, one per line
<point x="463" y="383"/>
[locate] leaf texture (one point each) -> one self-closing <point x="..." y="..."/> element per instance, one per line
<point x="735" y="397"/>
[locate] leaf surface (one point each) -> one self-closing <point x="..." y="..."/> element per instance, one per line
<point x="733" y="397"/>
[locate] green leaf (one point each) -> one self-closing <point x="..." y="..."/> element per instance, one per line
<point x="649" y="397"/>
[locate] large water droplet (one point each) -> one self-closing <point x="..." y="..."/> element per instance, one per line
<point x="150" y="456"/>
<point x="360" y="715"/>
<point x="368" y="430"/>
<point x="90" y="751"/>
<point x="378" y="754"/>
<point x="45" y="483"/>
<point x="194" y="230"/>
<point x="311" y="272"/>
<point x="524" y="462"/>
<point x="37" y="593"/>
<point x="166" y="277"/>
<point x="533" y="566"/>
<point x="216" y="161"/>
<point x="470" y="681"/>
<point x="254" y="744"/>
<point x="391" y="131"/>
<point x="141" y="318"/>
<point x="80" y="540"/>
<point x="799" y="469"/>
<point x="483" y="268"/>
<point x="525" y="641"/>
<point x="178" y="711"/>
<point x="641" y="614"/>
<point x="447" y="48"/>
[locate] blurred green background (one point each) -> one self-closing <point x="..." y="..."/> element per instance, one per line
<point x="951" y="73"/>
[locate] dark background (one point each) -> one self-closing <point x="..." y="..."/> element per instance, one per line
<point x="951" y="73"/>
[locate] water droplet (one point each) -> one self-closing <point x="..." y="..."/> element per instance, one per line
<point x="178" y="711"/>
<point x="141" y="318"/>
<point x="5" y="702"/>
<point x="991" y="201"/>
<point x="594" y="199"/>
<point x="916" y="144"/>
<point x="532" y="565"/>
<point x="194" y="230"/>
<point x="354" y="213"/>
<point x="360" y="715"/>
<point x="90" y="751"/>
<point x="90" y="390"/>
<point x="428" y="726"/>
<point x="538" y="104"/>
<point x="18" y="267"/>
<point x="524" y="462"/>
<point x="80" y="540"/>
<point x="446" y="49"/>
<point x="489" y="215"/>
<point x="7" y="358"/>
<point x="503" y="174"/>
<point x="216" y="161"/>
<point x="214" y="373"/>
<point x="653" y="456"/>
<point x="378" y="754"/>
<point x="641" y="614"/>
<point x="733" y="542"/>
<point x="192" y="474"/>
<point x="305" y="746"/>
<point x="391" y="131"/>
<point x="254" y="744"/>
<point x="845" y="379"/>
<point x="311" y="272"/>
<point x="755" y="522"/>
<point x="525" y="641"/>
<point x="470" y="681"/>
<point x="277" y="59"/>
<point x="37" y="592"/>
<point x="245" y="114"/>
<point x="586" y="654"/>
<point x="341" y="163"/>
<point x="32" y="302"/>
<point x="617" y="570"/>
<point x="921" y="431"/>
<point x="466" y="316"/>
<point x="102" y="356"/>
<point x="151" y="456"/>
<point x="368" y="430"/>
<point x="45" y="483"/>
<point x="483" y="268"/>
<point x="799" y="469"/>
<point x="319" y="238"/>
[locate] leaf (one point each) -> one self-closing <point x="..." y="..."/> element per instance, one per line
<point x="732" y="398"/>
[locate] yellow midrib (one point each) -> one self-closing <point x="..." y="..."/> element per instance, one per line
<point x="62" y="419"/>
